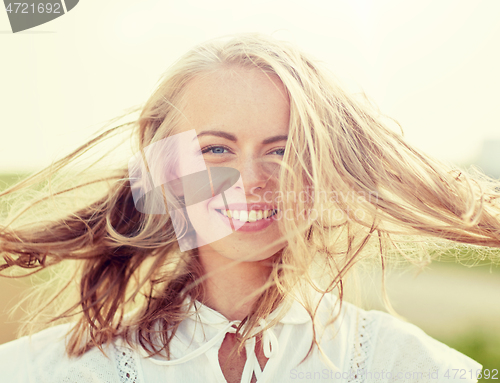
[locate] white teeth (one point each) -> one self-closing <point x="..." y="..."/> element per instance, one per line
<point x="252" y="216"/>
<point x="269" y="213"/>
<point x="248" y="216"/>
<point x="243" y="215"/>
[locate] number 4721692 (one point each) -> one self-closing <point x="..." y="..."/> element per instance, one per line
<point x="40" y="8"/>
<point x="478" y="374"/>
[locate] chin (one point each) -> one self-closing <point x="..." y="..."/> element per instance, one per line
<point x="236" y="249"/>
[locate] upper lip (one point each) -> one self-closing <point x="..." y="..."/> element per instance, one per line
<point x="248" y="206"/>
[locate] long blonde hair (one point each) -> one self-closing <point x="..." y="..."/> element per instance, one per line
<point x="357" y="188"/>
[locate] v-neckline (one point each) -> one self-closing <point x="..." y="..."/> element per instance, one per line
<point x="269" y="368"/>
<point x="224" y="351"/>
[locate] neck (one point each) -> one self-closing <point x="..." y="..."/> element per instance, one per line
<point x="229" y="286"/>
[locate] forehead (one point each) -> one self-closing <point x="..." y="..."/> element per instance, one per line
<point x="236" y="99"/>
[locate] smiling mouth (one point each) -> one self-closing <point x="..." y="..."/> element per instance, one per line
<point x="248" y="216"/>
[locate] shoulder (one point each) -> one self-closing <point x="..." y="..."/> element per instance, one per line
<point x="42" y="358"/>
<point x="19" y="358"/>
<point x="405" y="351"/>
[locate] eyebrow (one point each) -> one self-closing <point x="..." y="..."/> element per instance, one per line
<point x="232" y="137"/>
<point x="270" y="140"/>
<point x="218" y="133"/>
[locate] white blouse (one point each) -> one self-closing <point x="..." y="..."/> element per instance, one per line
<point x="362" y="346"/>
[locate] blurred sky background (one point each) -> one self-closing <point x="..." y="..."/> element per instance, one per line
<point x="431" y="65"/>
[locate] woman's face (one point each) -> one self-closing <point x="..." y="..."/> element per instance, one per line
<point x="240" y="116"/>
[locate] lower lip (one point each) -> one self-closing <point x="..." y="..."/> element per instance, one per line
<point x="250" y="226"/>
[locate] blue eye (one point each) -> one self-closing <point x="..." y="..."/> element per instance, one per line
<point x="215" y="150"/>
<point x="279" y="152"/>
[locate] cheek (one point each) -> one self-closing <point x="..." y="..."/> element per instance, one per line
<point x="208" y="226"/>
<point x="198" y="214"/>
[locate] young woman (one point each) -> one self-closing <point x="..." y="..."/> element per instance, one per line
<point x="214" y="254"/>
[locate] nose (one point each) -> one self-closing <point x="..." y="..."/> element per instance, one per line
<point x="254" y="175"/>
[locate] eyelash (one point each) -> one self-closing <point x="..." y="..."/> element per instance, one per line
<point x="206" y="149"/>
<point x="282" y="149"/>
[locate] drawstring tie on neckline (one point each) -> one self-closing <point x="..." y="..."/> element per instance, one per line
<point x="269" y="340"/>
<point x="270" y="346"/>
<point x="220" y="326"/>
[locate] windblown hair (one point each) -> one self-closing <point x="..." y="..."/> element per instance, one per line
<point x="359" y="190"/>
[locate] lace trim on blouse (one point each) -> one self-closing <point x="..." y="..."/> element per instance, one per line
<point x="362" y="347"/>
<point x="126" y="365"/>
